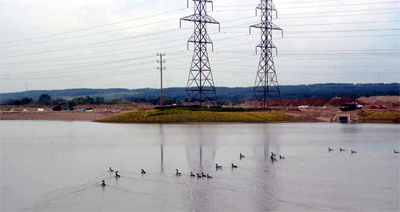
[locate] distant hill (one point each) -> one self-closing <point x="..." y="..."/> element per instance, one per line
<point x="238" y="94"/>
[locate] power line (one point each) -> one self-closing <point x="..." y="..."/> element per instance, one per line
<point x="322" y="24"/>
<point x="343" y="11"/>
<point x="79" y="57"/>
<point x="330" y="31"/>
<point x="47" y="60"/>
<point x="90" y="44"/>
<point x="327" y="12"/>
<point x="141" y="51"/>
<point x="98" y="26"/>
<point x="87" y="35"/>
<point x="327" y="16"/>
<point x="88" y="65"/>
<point x="106" y="41"/>
<point x="355" y="36"/>
<point x="319" y="6"/>
<point x="129" y="28"/>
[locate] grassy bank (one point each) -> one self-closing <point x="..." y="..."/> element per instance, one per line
<point x="383" y="115"/>
<point x="181" y="116"/>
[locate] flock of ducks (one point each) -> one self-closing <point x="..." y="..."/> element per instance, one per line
<point x="341" y="150"/>
<point x="273" y="157"/>
<point x="178" y="174"/>
<point x="354" y="152"/>
<point x="217" y="167"/>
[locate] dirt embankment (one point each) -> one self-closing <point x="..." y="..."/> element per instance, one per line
<point x="320" y="110"/>
<point x="388" y="101"/>
<point x="32" y="112"/>
<point x="63" y="115"/>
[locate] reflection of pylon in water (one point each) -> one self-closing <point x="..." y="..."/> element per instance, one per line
<point x="266" y="87"/>
<point x="200" y="86"/>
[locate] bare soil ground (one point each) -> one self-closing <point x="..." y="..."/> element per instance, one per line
<point x="388" y="101"/>
<point x="318" y="114"/>
<point x="62" y="115"/>
<point x="315" y="112"/>
<point x="32" y="113"/>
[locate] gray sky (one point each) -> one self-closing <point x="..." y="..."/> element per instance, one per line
<point x="55" y="44"/>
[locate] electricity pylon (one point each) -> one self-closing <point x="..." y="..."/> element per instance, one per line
<point x="266" y="87"/>
<point x="200" y="86"/>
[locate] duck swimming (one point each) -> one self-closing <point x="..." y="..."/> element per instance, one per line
<point x="218" y="167"/>
<point x="209" y="177"/>
<point x="198" y="176"/>
<point x="241" y="156"/>
<point x="177" y="173"/>
<point x="203" y="175"/>
<point x="111" y="170"/>
<point x="103" y="184"/>
<point x="117" y="175"/>
<point x="272" y="154"/>
<point x="329" y="149"/>
<point x="273" y="158"/>
<point x="192" y="175"/>
<point x="280" y="157"/>
<point x="396" y="152"/>
<point x="233" y="166"/>
<point x="143" y="171"/>
<point x="353" y="152"/>
<point x="342" y="150"/>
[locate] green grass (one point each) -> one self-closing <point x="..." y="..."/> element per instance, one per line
<point x="383" y="115"/>
<point x="181" y="116"/>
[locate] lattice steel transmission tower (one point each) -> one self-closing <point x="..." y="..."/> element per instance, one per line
<point x="200" y="86"/>
<point x="266" y="87"/>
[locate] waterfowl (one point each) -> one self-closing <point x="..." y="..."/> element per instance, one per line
<point x="272" y="154"/>
<point x="329" y="149"/>
<point x="241" y="156"/>
<point x="198" y="176"/>
<point x="395" y="152"/>
<point x="342" y="150"/>
<point x="273" y="158"/>
<point x="233" y="166"/>
<point x="280" y="157"/>
<point x="143" y="171"/>
<point x="203" y="175"/>
<point x="192" y="175"/>
<point x="218" y="167"/>
<point x="353" y="152"/>
<point x="111" y="170"/>
<point x="117" y="175"/>
<point x="177" y="173"/>
<point x="209" y="177"/>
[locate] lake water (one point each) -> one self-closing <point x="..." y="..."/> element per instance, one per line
<point x="58" y="166"/>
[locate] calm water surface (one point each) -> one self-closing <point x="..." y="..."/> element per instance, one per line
<point x="58" y="166"/>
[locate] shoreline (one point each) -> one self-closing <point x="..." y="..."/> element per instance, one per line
<point x="55" y="116"/>
<point x="104" y="117"/>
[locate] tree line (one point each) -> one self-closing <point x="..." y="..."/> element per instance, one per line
<point x="46" y="100"/>
<point x="225" y="95"/>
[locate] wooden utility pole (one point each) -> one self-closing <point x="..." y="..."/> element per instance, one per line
<point x="161" y="76"/>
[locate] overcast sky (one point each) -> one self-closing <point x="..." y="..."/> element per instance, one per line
<point x="58" y="44"/>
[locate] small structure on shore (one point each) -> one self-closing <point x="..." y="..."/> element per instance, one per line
<point x="344" y="119"/>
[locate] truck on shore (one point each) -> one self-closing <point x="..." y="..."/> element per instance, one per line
<point x="351" y="106"/>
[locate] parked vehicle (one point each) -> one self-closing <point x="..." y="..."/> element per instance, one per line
<point x="58" y="108"/>
<point x="303" y="107"/>
<point x="89" y="109"/>
<point x="379" y="107"/>
<point x="351" y="106"/>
